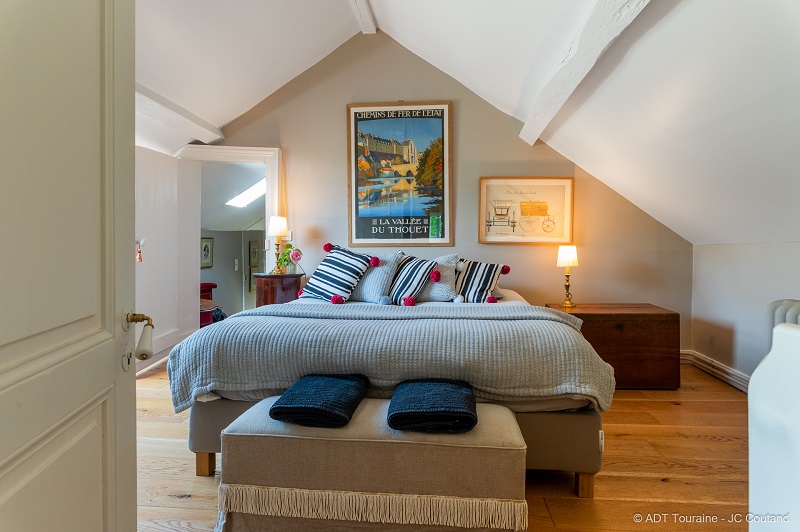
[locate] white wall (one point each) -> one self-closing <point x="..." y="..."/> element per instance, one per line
<point x="733" y="284"/>
<point x="168" y="217"/>
<point x="188" y="287"/>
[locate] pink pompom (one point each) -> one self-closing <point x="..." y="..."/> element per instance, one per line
<point x="491" y="299"/>
<point x="374" y="262"/>
<point x="327" y="247"/>
<point x="505" y="269"/>
<point x="337" y="299"/>
<point x="300" y="292"/>
<point x="409" y="302"/>
<point x="436" y="276"/>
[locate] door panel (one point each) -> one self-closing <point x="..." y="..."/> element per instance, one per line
<point x="67" y="404"/>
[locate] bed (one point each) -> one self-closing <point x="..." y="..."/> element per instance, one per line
<point x="532" y="359"/>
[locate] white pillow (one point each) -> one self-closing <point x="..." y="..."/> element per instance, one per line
<point x="445" y="288"/>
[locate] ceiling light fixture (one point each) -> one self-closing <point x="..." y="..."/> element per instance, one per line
<point x="248" y="196"/>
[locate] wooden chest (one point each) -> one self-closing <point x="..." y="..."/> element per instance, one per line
<point x="641" y="341"/>
<point x="277" y="288"/>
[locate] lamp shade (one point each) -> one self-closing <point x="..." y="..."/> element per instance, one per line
<point x="567" y="256"/>
<point x="277" y="226"/>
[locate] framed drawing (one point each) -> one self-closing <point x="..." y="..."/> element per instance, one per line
<point x="515" y="210"/>
<point x="253" y="250"/>
<point x="206" y="252"/>
<point x="399" y="181"/>
<point x="253" y="269"/>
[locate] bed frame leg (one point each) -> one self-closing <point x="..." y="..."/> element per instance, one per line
<point x="584" y="485"/>
<point x="205" y="464"/>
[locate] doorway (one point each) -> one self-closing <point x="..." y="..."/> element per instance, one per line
<point x="168" y="205"/>
<point x="237" y="232"/>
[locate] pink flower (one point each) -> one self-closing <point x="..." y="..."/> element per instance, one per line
<point x="296" y="255"/>
<point x="300" y="292"/>
<point x="436" y="276"/>
<point x="491" y="299"/>
<point x="409" y="302"/>
<point x="337" y="299"/>
<point x="327" y="247"/>
<point x="374" y="262"/>
<point x="505" y="269"/>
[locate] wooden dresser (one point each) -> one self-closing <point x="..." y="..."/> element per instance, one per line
<point x="276" y="288"/>
<point x="641" y="341"/>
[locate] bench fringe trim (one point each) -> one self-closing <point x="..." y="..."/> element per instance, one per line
<point x="395" y="508"/>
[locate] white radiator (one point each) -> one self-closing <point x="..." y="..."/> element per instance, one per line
<point x="774" y="426"/>
<point x="781" y="311"/>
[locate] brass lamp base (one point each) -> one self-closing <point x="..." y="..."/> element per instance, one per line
<point x="568" y="297"/>
<point x="277" y="269"/>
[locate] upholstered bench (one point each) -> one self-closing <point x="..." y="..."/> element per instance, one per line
<point x="367" y="476"/>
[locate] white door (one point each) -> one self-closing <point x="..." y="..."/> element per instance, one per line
<point x="67" y="406"/>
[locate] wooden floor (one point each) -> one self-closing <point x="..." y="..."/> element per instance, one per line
<point x="671" y="457"/>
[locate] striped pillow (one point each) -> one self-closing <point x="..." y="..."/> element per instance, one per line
<point x="338" y="274"/>
<point x="412" y="274"/>
<point x="476" y="280"/>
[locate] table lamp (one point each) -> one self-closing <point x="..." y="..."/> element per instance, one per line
<point x="567" y="256"/>
<point x="277" y="228"/>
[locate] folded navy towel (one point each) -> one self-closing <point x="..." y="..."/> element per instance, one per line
<point x="433" y="405"/>
<point x="321" y="400"/>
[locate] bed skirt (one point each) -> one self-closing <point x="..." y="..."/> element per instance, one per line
<point x="383" y="508"/>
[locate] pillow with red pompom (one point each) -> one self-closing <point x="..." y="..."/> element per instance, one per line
<point x="337" y="274"/>
<point x="411" y="276"/>
<point x="445" y="288"/>
<point x="477" y="280"/>
<point x="377" y="280"/>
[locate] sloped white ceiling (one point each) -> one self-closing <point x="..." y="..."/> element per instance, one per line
<point x="693" y="115"/>
<point x="217" y="59"/>
<point x="504" y="53"/>
<point x="690" y="113"/>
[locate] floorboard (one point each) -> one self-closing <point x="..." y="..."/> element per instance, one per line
<point x="677" y="458"/>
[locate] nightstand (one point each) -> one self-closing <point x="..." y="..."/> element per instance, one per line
<point x="641" y="341"/>
<point x="276" y="288"/>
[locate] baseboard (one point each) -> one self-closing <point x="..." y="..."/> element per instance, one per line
<point x="734" y="377"/>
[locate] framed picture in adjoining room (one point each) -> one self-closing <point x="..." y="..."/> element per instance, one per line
<point x="206" y="252"/>
<point x="525" y="210"/>
<point x="254" y="252"/>
<point x="400" y="174"/>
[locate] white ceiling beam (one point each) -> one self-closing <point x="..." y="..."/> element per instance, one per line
<point x="160" y="109"/>
<point x="606" y="22"/>
<point x="363" y="13"/>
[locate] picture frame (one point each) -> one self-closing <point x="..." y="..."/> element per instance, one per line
<point x="253" y="252"/>
<point x="253" y="269"/>
<point x="525" y="210"/>
<point x="206" y="252"/>
<point x="400" y="174"/>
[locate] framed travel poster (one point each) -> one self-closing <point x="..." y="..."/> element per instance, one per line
<point x="399" y="158"/>
<point x="515" y="210"/>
